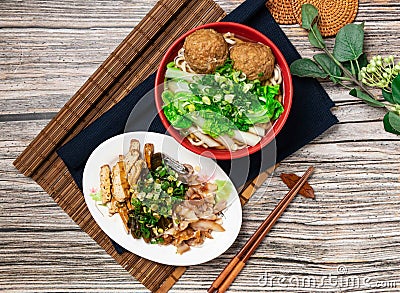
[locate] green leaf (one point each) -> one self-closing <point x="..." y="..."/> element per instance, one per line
<point x="309" y="15"/>
<point x="315" y="37"/>
<point x="396" y="89"/>
<point x="387" y="96"/>
<point x="307" y="68"/>
<point x="391" y="122"/>
<point x="362" y="62"/>
<point x="366" y="98"/>
<point x="329" y="66"/>
<point x="349" y="42"/>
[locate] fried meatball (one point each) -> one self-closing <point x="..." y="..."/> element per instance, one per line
<point x="205" y="50"/>
<point x="253" y="59"/>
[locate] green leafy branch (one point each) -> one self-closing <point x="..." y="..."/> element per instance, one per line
<point x="348" y="66"/>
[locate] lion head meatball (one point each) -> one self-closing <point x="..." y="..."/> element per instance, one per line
<point x="205" y="50"/>
<point x="253" y="59"/>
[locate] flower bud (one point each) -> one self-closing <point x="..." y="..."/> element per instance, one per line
<point x="363" y="75"/>
<point x="388" y="69"/>
<point x="397" y="67"/>
<point x="372" y="62"/>
<point x="386" y="60"/>
<point x="378" y="63"/>
<point x="379" y="57"/>
<point x="391" y="57"/>
<point x="385" y="75"/>
<point x="364" y="69"/>
<point x="364" y="80"/>
<point x="369" y="69"/>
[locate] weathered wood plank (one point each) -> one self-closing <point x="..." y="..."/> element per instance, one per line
<point x="61" y="57"/>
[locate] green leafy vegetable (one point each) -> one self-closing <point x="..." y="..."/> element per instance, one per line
<point x="391" y="122"/>
<point x="349" y="67"/>
<point x="362" y="62"/>
<point x="145" y="223"/>
<point x="349" y="42"/>
<point x="309" y="15"/>
<point x="329" y="66"/>
<point x="387" y="96"/>
<point x="363" y="96"/>
<point x="307" y="68"/>
<point x="396" y="90"/>
<point x="219" y="103"/>
<point x="224" y="190"/>
<point x="156" y="196"/>
<point x="315" y="37"/>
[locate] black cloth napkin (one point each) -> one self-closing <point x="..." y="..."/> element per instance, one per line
<point x="309" y="117"/>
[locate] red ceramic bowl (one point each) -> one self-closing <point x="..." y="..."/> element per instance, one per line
<point x="251" y="35"/>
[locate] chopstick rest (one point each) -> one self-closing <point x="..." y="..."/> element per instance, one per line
<point x="228" y="275"/>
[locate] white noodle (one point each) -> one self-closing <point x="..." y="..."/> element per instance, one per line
<point x="258" y="130"/>
<point x="246" y="137"/>
<point x="227" y="142"/>
<point x="203" y="137"/>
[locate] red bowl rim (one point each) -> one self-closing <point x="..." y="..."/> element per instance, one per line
<point x="277" y="125"/>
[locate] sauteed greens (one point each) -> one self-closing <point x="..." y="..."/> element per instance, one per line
<point x="218" y="103"/>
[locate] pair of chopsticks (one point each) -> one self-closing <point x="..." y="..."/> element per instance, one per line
<point x="228" y="275"/>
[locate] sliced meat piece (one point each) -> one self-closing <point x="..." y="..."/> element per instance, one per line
<point x="130" y="159"/>
<point x="182" y="247"/>
<point x="133" y="154"/>
<point x="197" y="239"/>
<point x="120" y="186"/>
<point x="134" y="145"/>
<point x="206" y="225"/>
<point x="105" y="183"/>
<point x="136" y="170"/>
<point x="184" y="235"/>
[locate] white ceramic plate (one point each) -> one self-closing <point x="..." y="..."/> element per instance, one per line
<point x="107" y="153"/>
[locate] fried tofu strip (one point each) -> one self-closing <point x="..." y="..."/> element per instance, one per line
<point x="120" y="185"/>
<point x="105" y="183"/>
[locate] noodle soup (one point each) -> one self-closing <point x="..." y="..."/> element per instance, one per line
<point x="223" y="92"/>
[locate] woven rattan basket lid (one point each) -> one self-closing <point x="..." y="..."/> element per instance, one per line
<point x="282" y="11"/>
<point x="334" y="14"/>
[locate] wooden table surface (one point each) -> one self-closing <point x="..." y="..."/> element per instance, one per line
<point x="348" y="239"/>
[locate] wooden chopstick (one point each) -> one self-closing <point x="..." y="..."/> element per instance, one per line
<point x="228" y="275"/>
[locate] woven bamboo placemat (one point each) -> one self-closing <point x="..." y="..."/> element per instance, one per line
<point x="111" y="82"/>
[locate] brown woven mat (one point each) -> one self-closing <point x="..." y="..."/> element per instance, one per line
<point x="116" y="77"/>
<point x="282" y="11"/>
<point x="334" y="14"/>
